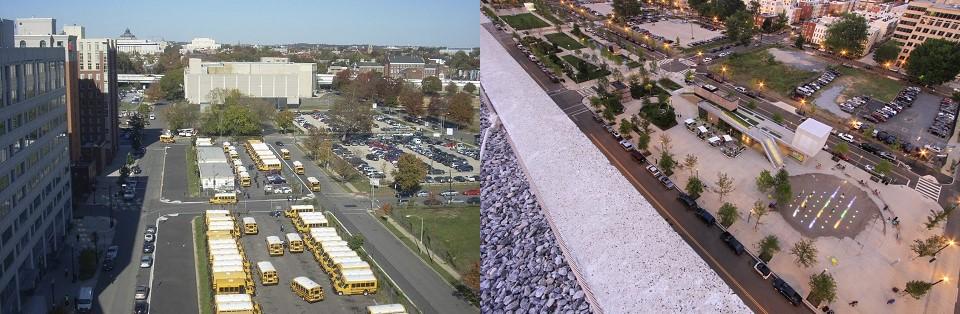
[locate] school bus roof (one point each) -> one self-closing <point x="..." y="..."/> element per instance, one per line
<point x="249" y="220"/>
<point x="284" y="150"/>
<point x="342" y="254"/>
<point x="312" y="215"/>
<point x="266" y="266"/>
<point x="352" y="265"/>
<point x="227" y="269"/>
<point x="336" y="248"/>
<point x="220" y="227"/>
<point x="351" y="276"/>
<point x="217" y="246"/>
<point x="314" y="220"/>
<point x="273" y="239"/>
<point x="234" y="306"/>
<point x="323" y="229"/>
<point x="387" y="309"/>
<point x="225" y="251"/>
<point x="232" y="262"/>
<point x="225" y="194"/>
<point x="220" y="236"/>
<point x="326" y="237"/>
<point x="297" y="163"/>
<point x="218" y="212"/>
<point x="226" y="256"/>
<point x="233" y="297"/>
<point x="312" y="180"/>
<point x="293" y="237"/>
<point x="332" y="243"/>
<point x="212" y="241"/>
<point x="345" y="259"/>
<point x="302" y="208"/>
<point x="305" y="282"/>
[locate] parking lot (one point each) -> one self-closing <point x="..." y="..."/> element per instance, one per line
<point x="668" y="30"/>
<point x="279" y="298"/>
<point x="909" y="121"/>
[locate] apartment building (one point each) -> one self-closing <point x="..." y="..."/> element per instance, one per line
<point x="925" y="20"/>
<point x="35" y="198"/>
<point x="99" y="102"/>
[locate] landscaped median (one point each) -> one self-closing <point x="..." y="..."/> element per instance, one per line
<point x="204" y="297"/>
<point x="752" y="67"/>
<point x="524" y="21"/>
<point x="193" y="172"/>
<point x="585" y="70"/>
<point x="564" y="41"/>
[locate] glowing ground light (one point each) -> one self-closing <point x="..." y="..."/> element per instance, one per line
<point x="844" y="213"/>
<point x="825" y="204"/>
<point x="802" y="205"/>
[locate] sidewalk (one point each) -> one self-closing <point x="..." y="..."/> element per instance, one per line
<point x="56" y="284"/>
<point x="433" y="256"/>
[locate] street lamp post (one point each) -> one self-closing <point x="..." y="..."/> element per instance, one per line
<point x="422" y="246"/>
<point x="945" y="278"/>
<point x="723" y="71"/>
<point x="949" y="244"/>
<point x="760" y="88"/>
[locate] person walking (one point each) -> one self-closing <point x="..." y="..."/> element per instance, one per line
<point x="854" y="303"/>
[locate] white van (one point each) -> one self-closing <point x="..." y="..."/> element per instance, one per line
<point x="85" y="299"/>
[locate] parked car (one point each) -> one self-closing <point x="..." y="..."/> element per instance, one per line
<point x="784" y="288"/>
<point x="666" y="182"/>
<point x="654" y="171"/>
<point x="141" y="293"/>
<point x="687" y="201"/>
<point x="108" y="264"/>
<point x="706" y="216"/>
<point x="472" y="192"/>
<point x="111" y="252"/>
<point x="148" y="247"/>
<point x="141" y="307"/>
<point x="151" y="229"/>
<point x="732" y="242"/>
<point x="146" y="261"/>
<point x="149" y="237"/>
<point x="846" y="137"/>
<point x="449" y="193"/>
<point x="762" y="269"/>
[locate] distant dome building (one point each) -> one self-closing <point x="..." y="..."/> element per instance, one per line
<point x="129" y="43"/>
<point x="127" y="35"/>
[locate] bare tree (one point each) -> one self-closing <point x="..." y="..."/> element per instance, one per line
<point x="690" y="162"/>
<point x="724" y="185"/>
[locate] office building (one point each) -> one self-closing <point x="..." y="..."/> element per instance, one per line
<point x="404" y="66"/>
<point x="128" y="43"/>
<point x="99" y="101"/>
<point x="925" y="20"/>
<point x="275" y="79"/>
<point x="35" y="198"/>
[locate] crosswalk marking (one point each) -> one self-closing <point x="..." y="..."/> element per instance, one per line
<point x="928" y="187"/>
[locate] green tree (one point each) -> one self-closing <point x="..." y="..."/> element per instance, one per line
<point x="626" y="128"/>
<point x="626" y="8"/>
<point x="768" y="246"/>
<point x="846" y="35"/>
<point x="781" y="21"/>
<point x="284" y="120"/>
<point x="431" y="85"/>
<point x="841" y="148"/>
<point x="740" y="27"/>
<point x="181" y="115"/>
<point x="938" y="216"/>
<point x="798" y="43"/>
<point x="886" y="52"/>
<point x="129" y="63"/>
<point x="883" y="168"/>
<point x="778" y="118"/>
<point x="804" y="253"/>
<point x="350" y="116"/>
<point x="934" y="62"/>
<point x="643" y="141"/>
<point x="451" y="88"/>
<point x="170" y="87"/>
<point x="758" y="210"/>
<point x="470" y="88"/>
<point x="822" y="288"/>
<point x="667" y="163"/>
<point x="410" y="171"/>
<point x="930" y="246"/>
<point x="694" y="187"/>
<point x="724" y="185"/>
<point x="355" y="242"/>
<point x="690" y="162"/>
<point x="765" y="181"/>
<point x="917" y="289"/>
<point x="461" y="108"/>
<point x="728" y="214"/>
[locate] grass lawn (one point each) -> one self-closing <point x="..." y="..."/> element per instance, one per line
<point x="859" y="82"/>
<point x="669" y="84"/>
<point x="203" y="270"/>
<point x="633" y="64"/>
<point x="450" y="231"/>
<point x="564" y="41"/>
<point x="193" y="173"/>
<point x="750" y="68"/>
<point x="591" y="71"/>
<point x="524" y="21"/>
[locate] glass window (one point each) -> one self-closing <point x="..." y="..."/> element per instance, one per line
<point x="30" y="81"/>
<point x="42" y="74"/>
<point x="14" y="83"/>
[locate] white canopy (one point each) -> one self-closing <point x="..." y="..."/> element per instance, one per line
<point x="713" y="139"/>
<point x="727" y="138"/>
<point x="689" y="121"/>
<point x="702" y="129"/>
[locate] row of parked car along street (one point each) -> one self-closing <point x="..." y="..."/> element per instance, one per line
<point x="806" y="90"/>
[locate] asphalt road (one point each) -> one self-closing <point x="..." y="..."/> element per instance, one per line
<point x="736" y="270"/>
<point x="175" y="278"/>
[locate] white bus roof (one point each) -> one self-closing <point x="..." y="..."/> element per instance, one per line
<point x="266" y="266"/>
<point x="236" y="297"/>
<point x="345" y="259"/>
<point x="305" y="282"/>
<point x="217" y="246"/>
<point x="326" y="237"/>
<point x="215" y="241"/>
<point x="284" y="150"/>
<point x="341" y="254"/>
<point x="234" y="194"/>
<point x="332" y="243"/>
<point x="227" y="307"/>
<point x="225" y="251"/>
<point x="293" y="237"/>
<point x="220" y="227"/>
<point x="217" y="212"/>
<point x="244" y="174"/>
<point x="227" y="256"/>
<point x="358" y="276"/>
<point x="273" y="239"/>
<point x="249" y="220"/>
<point x="323" y="229"/>
<point x="352" y="265"/>
<point x="297" y="163"/>
<point x="336" y="248"/>
<point x="227" y="269"/>
<point x="312" y="179"/>
<point x="314" y="221"/>
<point x="229" y="262"/>
<point x="272" y="161"/>
<point x="302" y="207"/>
<point x="387" y="309"/>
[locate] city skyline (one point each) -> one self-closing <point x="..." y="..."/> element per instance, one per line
<point x="382" y="23"/>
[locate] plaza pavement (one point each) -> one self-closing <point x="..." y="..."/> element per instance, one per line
<point x="868" y="265"/>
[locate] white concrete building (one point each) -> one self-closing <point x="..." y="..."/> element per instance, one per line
<point x="215" y="171"/>
<point x="810" y="137"/>
<point x="129" y="43"/>
<point x="200" y="45"/>
<point x="273" y="78"/>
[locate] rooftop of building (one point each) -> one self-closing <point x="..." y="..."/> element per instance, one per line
<point x="404" y="59"/>
<point x="127" y="35"/>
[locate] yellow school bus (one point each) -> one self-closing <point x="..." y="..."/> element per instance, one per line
<point x="354" y="282"/>
<point x="294" y="242"/>
<point x="245" y="179"/>
<point x="314" y="240"/>
<point x="272" y="164"/>
<point x="250" y="225"/>
<point x="224" y="198"/>
<point x="341" y="266"/>
<point x="227" y="146"/>
<point x="306" y="289"/>
<point x="297" y="167"/>
<point x="328" y="265"/>
<point x="228" y="279"/>
<point x="274" y="246"/>
<point x="297" y="209"/>
<point x="235" y="304"/>
<point x="314" y="184"/>
<point x="233" y="154"/>
<point x="386" y="309"/>
<point x="268" y="274"/>
<point x="167" y="139"/>
<point x="285" y="153"/>
<point x="306" y="220"/>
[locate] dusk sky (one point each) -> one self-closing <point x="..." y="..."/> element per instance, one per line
<point x="421" y="22"/>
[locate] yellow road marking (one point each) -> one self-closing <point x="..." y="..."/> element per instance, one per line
<point x="675" y="222"/>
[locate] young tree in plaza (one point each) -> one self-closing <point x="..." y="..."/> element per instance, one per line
<point x="626" y="128"/>
<point x="930" y="246"/>
<point x="665" y="142"/>
<point x="938" y="216"/>
<point x="841" y="148"/>
<point x="759" y="210"/>
<point x="694" y="187"/>
<point x="846" y="36"/>
<point x="765" y="181"/>
<point x="799" y="42"/>
<point x="728" y="214"/>
<point x="724" y="185"/>
<point x="804" y="253"/>
<point x="690" y="162"/>
<point x="934" y="62"/>
<point x="883" y="168"/>
<point x="643" y="141"/>
<point x="667" y="163"/>
<point x="917" y="289"/>
<point x="410" y="171"/>
<point x="768" y="246"/>
<point x="823" y="288"/>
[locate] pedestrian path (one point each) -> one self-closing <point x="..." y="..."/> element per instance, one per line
<point x="587" y="92"/>
<point x="928" y="187"/>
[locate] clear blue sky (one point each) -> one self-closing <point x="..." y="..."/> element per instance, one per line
<point x="451" y="23"/>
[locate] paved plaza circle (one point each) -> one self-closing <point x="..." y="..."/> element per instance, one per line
<point x="826" y="205"/>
